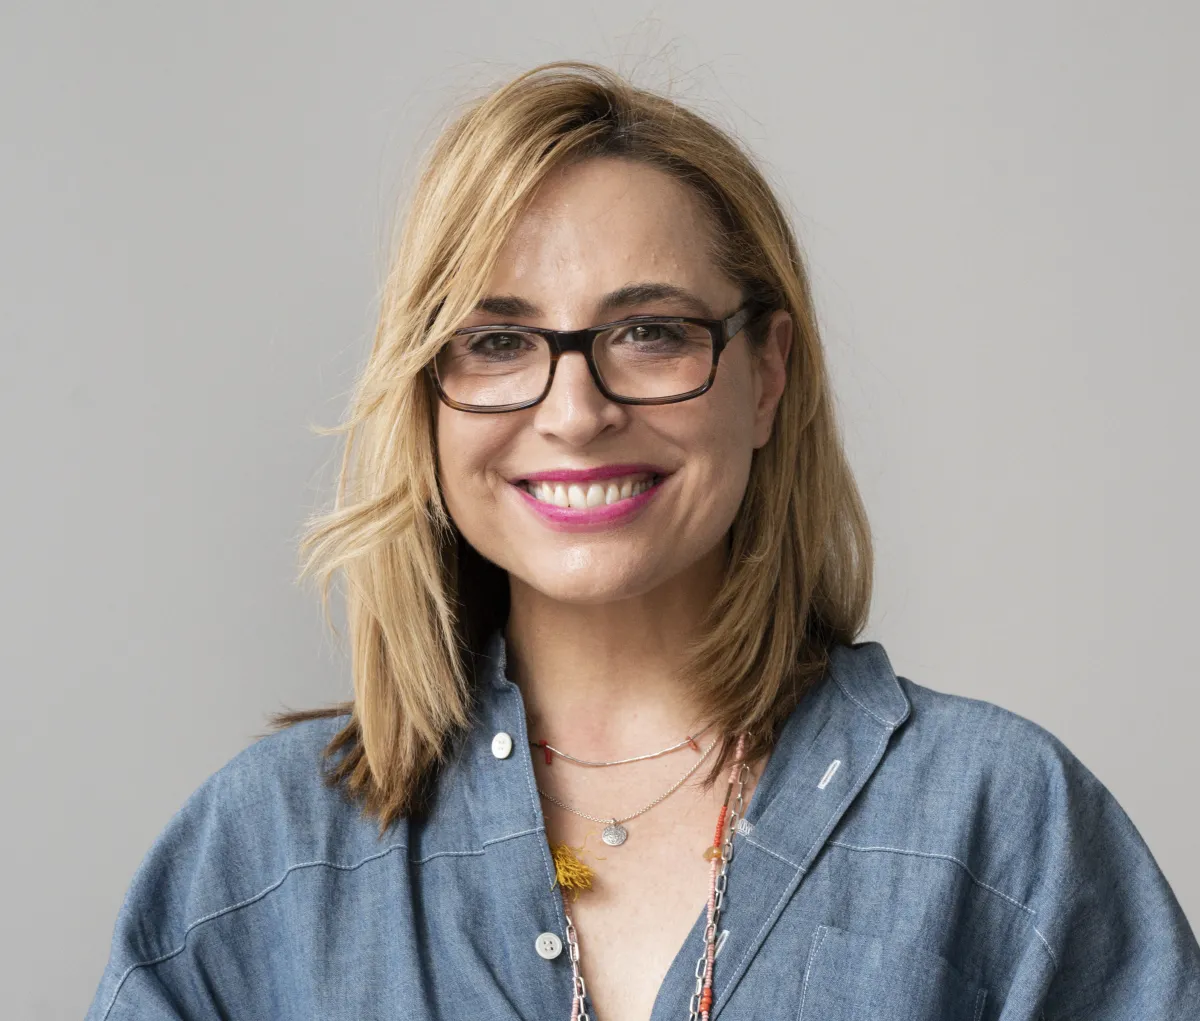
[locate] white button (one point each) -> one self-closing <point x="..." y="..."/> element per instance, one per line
<point x="548" y="945"/>
<point x="502" y="749"/>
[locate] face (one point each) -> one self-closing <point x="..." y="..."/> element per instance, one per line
<point x="677" y="471"/>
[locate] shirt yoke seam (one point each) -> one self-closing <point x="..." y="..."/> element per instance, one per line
<point x="974" y="879"/>
<point x="339" y="866"/>
<point x="473" y="853"/>
<point x="211" y="916"/>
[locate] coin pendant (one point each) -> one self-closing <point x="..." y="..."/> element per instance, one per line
<point x="614" y="834"/>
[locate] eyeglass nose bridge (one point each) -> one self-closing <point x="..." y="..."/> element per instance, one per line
<point x="582" y="341"/>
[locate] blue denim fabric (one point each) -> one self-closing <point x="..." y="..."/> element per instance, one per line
<point x="959" y="864"/>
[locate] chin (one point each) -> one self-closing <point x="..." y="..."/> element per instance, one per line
<point x="580" y="579"/>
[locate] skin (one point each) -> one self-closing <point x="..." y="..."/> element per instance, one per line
<point x="600" y="620"/>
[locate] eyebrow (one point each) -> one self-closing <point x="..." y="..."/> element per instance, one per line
<point x="615" y="301"/>
<point x="508" y="305"/>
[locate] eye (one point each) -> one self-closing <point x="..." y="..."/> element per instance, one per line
<point x="649" y="333"/>
<point x="498" y="342"/>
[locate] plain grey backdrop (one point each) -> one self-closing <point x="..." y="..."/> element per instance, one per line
<point x="999" y="205"/>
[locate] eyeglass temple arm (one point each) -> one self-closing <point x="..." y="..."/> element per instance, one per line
<point x="742" y="318"/>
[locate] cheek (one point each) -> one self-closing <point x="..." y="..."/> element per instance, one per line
<point x="468" y="446"/>
<point x="717" y="442"/>
<point x="726" y="471"/>
<point x="724" y="445"/>
<point x="727" y="423"/>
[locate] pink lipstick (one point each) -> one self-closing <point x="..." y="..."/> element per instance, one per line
<point x="572" y="499"/>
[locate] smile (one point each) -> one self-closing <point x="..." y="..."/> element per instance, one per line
<point x="582" y="496"/>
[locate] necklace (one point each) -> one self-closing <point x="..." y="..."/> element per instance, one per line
<point x="688" y="741"/>
<point x="719" y="855"/>
<point x="614" y="833"/>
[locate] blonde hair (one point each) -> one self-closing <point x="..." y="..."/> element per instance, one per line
<point x="419" y="600"/>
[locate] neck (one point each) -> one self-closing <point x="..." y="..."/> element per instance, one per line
<point x="605" y="680"/>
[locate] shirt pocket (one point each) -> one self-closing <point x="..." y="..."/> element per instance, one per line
<point x="853" y="977"/>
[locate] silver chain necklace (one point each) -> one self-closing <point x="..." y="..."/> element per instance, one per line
<point x="614" y="833"/>
<point x="689" y="740"/>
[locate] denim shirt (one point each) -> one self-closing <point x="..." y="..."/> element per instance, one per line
<point x="907" y="855"/>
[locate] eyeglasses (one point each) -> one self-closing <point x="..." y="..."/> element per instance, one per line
<point x="641" y="360"/>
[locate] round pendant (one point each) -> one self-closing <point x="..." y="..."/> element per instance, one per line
<point x="614" y="834"/>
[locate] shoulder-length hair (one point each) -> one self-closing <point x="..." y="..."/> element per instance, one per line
<point x="420" y="601"/>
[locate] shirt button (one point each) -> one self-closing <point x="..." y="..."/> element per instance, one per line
<point x="502" y="747"/>
<point x="548" y="946"/>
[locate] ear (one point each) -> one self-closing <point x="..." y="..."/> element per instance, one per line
<point x="770" y="369"/>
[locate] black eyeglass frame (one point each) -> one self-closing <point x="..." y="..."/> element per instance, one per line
<point x="722" y="332"/>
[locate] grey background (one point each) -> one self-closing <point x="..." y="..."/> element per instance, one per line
<point x="999" y="203"/>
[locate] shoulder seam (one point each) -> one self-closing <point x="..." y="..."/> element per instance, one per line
<point x="235" y="907"/>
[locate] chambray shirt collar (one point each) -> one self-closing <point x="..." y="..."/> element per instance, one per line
<point x="826" y="751"/>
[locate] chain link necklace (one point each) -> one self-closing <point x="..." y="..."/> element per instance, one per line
<point x="615" y="834"/>
<point x="720" y="854"/>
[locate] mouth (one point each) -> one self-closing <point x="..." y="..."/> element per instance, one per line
<point x="590" y="495"/>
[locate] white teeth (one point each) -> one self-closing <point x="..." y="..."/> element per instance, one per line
<point x="583" y="497"/>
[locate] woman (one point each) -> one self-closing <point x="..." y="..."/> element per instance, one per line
<point x="613" y="751"/>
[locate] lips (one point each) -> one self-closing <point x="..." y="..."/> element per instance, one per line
<point x="590" y="498"/>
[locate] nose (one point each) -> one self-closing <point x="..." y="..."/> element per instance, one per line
<point x="575" y="410"/>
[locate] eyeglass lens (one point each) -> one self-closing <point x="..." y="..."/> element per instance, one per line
<point x="636" y="360"/>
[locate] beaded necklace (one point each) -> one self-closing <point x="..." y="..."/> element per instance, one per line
<point x="719" y="854"/>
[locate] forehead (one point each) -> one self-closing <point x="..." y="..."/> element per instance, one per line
<point x="597" y="226"/>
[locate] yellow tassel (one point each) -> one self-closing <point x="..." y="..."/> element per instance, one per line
<point x="569" y="871"/>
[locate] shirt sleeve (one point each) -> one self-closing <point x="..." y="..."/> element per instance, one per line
<point x="152" y="974"/>
<point x="203" y="932"/>
<point x="139" y="994"/>
<point x="1119" y="946"/>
